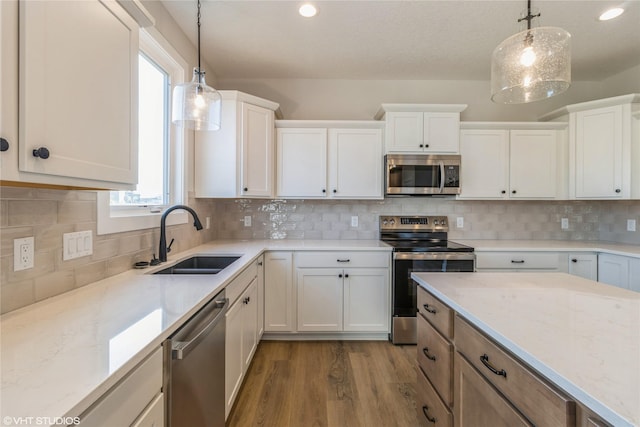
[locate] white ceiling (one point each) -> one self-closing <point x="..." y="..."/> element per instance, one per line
<point x="399" y="40"/>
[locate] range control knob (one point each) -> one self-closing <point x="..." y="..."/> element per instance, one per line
<point x="435" y="222"/>
<point x="443" y="222"/>
<point x="392" y="221"/>
<point x="384" y="222"/>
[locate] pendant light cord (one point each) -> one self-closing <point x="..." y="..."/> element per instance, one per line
<point x="528" y="18"/>
<point x="199" y="66"/>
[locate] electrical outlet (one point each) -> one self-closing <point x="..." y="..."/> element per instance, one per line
<point x="247" y="221"/>
<point x="22" y="253"/>
<point x="631" y="225"/>
<point x="207" y="222"/>
<point x="564" y="223"/>
<point x="354" y="221"/>
<point x="459" y="222"/>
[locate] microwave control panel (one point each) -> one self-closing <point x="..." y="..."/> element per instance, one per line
<point x="452" y="176"/>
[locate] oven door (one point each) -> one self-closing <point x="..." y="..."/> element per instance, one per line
<point x="422" y="174"/>
<point x="405" y="263"/>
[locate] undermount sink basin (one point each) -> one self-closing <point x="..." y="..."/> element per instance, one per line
<point x="202" y="264"/>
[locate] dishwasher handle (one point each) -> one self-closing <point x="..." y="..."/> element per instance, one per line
<point x="180" y="349"/>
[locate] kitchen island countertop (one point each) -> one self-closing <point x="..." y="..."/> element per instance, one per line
<point x="581" y="335"/>
<point x="60" y="355"/>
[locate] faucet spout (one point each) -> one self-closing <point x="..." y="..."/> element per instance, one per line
<point x="162" y="250"/>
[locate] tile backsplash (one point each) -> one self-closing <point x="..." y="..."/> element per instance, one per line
<point x="47" y="214"/>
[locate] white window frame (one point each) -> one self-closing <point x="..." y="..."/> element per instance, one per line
<point x="119" y="219"/>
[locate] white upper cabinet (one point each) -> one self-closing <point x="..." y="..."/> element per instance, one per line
<point x="329" y="162"/>
<point x="502" y="163"/>
<point x="604" y="147"/>
<point x="74" y="90"/>
<point x="421" y="128"/>
<point x="237" y="160"/>
<point x="302" y="162"/>
<point x="355" y="163"/>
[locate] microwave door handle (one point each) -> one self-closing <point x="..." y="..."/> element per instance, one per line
<point x="441" y="163"/>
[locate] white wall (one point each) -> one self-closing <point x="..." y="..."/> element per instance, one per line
<point x="360" y="99"/>
<point x="623" y="83"/>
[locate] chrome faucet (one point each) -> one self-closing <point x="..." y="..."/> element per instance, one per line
<point x="162" y="250"/>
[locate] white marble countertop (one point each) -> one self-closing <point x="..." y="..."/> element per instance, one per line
<point x="60" y="355"/>
<point x="581" y="335"/>
<point x="552" y="245"/>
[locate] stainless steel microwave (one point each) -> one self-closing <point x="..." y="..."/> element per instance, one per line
<point x="421" y="174"/>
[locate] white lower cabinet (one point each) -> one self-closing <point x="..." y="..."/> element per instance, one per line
<point x="619" y="270"/>
<point x="241" y="335"/>
<point x="335" y="292"/>
<point x="279" y="302"/>
<point x="331" y="298"/>
<point x="584" y="265"/>
<point x="136" y="400"/>
<point x="520" y="261"/>
<point x="319" y="299"/>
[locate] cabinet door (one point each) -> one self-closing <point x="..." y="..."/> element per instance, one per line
<point x="404" y="132"/>
<point x="249" y="323"/>
<point x="533" y="166"/>
<point x="613" y="270"/>
<point x="355" y="163"/>
<point x="319" y="299"/>
<point x="279" y="300"/>
<point x="634" y="274"/>
<point x="260" y="301"/>
<point x="9" y="89"/>
<point x="584" y="265"/>
<point x="257" y="151"/>
<point x="598" y="153"/>
<point x="484" y="171"/>
<point x="441" y="132"/>
<point x="233" y="365"/>
<point x="302" y="163"/>
<point x="477" y="403"/>
<point x="366" y="299"/>
<point x="78" y="90"/>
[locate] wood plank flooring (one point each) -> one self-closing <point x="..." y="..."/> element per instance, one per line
<point x="328" y="384"/>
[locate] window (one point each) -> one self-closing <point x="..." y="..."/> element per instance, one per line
<point x="160" y="145"/>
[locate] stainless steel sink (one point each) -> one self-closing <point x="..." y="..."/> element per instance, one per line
<point x="201" y="264"/>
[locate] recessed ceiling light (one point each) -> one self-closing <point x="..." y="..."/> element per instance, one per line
<point x="308" y="10"/>
<point x="611" y="13"/>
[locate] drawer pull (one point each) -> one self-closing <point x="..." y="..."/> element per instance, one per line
<point x="430" y="309"/>
<point x="517" y="261"/>
<point x="485" y="361"/>
<point x="427" y="354"/>
<point x="343" y="260"/>
<point x="425" y="411"/>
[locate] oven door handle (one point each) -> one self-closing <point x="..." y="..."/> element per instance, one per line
<point x="434" y="256"/>
<point x="441" y="163"/>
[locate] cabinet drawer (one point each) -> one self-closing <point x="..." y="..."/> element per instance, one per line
<point x="153" y="416"/>
<point x="436" y="312"/>
<point x="343" y="259"/>
<point x="431" y="411"/>
<point x="240" y="283"/>
<point x="435" y="358"/>
<point x="528" y="392"/>
<point x="518" y="260"/>
<point x="127" y="400"/>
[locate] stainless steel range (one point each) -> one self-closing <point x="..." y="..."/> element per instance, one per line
<point x="419" y="244"/>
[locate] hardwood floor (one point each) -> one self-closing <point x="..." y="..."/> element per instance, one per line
<point x="328" y="383"/>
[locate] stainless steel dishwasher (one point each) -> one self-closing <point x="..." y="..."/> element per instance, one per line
<point x="194" y="368"/>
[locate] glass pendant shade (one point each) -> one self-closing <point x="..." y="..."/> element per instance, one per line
<point x="195" y="105"/>
<point x="531" y="65"/>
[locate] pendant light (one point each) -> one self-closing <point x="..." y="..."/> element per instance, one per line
<point x="196" y="105"/>
<point x="531" y="65"/>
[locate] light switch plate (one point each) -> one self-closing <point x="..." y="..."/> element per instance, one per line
<point x="460" y="222"/>
<point x="564" y="223"/>
<point x="23" y="253"/>
<point x="354" y="221"/>
<point x="76" y="245"/>
<point x="631" y="225"/>
<point x="247" y="221"/>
